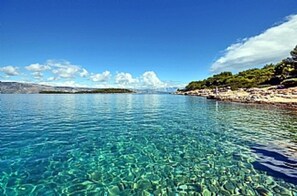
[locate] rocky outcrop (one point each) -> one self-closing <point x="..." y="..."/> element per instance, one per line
<point x="286" y="97"/>
<point x="200" y="92"/>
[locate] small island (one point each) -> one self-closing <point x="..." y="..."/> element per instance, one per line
<point x="96" y="91"/>
<point x="273" y="84"/>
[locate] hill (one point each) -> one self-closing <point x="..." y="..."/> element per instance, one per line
<point x="284" y="72"/>
<point x="30" y="88"/>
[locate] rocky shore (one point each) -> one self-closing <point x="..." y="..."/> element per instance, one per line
<point x="283" y="97"/>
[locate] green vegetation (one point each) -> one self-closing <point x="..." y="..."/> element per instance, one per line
<point x="102" y="90"/>
<point x="271" y="74"/>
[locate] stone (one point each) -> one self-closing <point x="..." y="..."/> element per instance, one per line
<point x="262" y="191"/>
<point x="144" y="184"/>
<point x="182" y="187"/>
<point x="114" y="190"/>
<point x="229" y="186"/>
<point x="206" y="192"/>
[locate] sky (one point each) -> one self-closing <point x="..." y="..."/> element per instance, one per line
<point x="140" y="43"/>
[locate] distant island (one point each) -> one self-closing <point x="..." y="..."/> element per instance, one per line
<point x="31" y="88"/>
<point x="102" y="90"/>
<point x="273" y="84"/>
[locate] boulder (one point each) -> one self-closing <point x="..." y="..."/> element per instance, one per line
<point x="292" y="82"/>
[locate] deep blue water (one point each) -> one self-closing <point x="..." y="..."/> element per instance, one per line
<point x="144" y="144"/>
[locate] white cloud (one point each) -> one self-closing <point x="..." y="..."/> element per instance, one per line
<point x="10" y="70"/>
<point x="51" y="78"/>
<point x="37" y="75"/>
<point x="124" y="79"/>
<point x="103" y="77"/>
<point x="36" y="67"/>
<point x="270" y="46"/>
<point x="151" y="80"/>
<point x="64" y="69"/>
<point x="84" y="73"/>
<point x="69" y="83"/>
<point x="66" y="72"/>
<point x="61" y="69"/>
<point x="148" y="79"/>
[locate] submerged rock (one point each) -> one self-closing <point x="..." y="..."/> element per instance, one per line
<point x="182" y="187"/>
<point x="114" y="190"/>
<point x="206" y="192"/>
<point x="229" y="186"/>
<point x="263" y="192"/>
<point x="143" y="185"/>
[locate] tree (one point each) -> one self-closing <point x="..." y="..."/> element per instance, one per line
<point x="294" y="54"/>
<point x="288" y="67"/>
<point x="268" y="75"/>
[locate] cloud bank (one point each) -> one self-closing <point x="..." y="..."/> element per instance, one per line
<point x="271" y="46"/>
<point x="65" y="73"/>
<point x="148" y="79"/>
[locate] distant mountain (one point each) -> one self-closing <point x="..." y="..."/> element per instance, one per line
<point x="31" y="88"/>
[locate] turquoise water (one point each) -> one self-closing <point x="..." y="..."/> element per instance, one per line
<point x="144" y="145"/>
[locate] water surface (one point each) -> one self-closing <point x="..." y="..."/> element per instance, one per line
<point x="144" y="144"/>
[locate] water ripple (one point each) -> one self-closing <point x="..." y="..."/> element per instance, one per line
<point x="144" y="144"/>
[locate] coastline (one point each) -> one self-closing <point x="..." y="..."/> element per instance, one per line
<point x="280" y="97"/>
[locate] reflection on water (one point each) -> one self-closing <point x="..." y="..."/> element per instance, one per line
<point x="144" y="144"/>
<point x="276" y="164"/>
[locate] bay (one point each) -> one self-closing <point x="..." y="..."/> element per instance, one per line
<point x="134" y="144"/>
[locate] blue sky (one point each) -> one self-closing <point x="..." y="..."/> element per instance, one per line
<point x="140" y="43"/>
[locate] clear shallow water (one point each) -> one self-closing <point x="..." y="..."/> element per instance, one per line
<point x="144" y="144"/>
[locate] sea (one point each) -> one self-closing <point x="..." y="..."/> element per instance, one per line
<point x="144" y="144"/>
